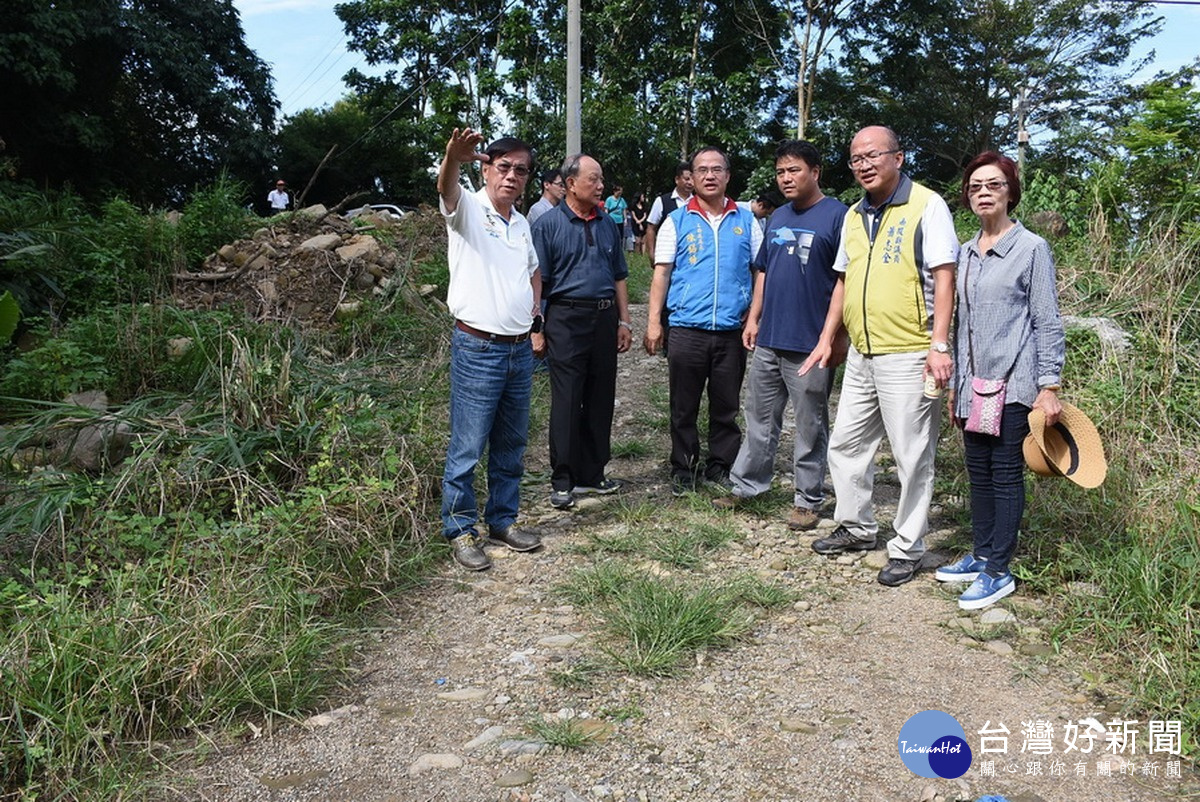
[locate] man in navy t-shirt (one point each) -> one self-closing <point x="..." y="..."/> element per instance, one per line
<point x="793" y="285"/>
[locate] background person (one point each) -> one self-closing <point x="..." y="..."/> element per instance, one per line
<point x="278" y="199"/>
<point x="638" y="213"/>
<point x="1008" y="327"/>
<point x="553" y="190"/>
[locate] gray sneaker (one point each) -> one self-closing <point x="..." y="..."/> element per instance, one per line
<point x="897" y="572"/>
<point x="468" y="553"/>
<point x="562" y="499"/>
<point x="515" y="539"/>
<point x="839" y="540"/>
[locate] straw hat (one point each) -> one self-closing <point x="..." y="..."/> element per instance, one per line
<point x="1069" y="448"/>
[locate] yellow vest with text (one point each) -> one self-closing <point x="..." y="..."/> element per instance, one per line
<point x="888" y="306"/>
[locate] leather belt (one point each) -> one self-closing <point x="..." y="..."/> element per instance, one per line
<point x="582" y="303"/>
<point x="487" y="335"/>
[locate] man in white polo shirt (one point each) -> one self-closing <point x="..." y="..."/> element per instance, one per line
<point x="495" y="292"/>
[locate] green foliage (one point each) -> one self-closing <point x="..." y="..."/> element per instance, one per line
<point x="10" y="313"/>
<point x="568" y="733"/>
<point x="78" y="110"/>
<point x="1163" y="142"/>
<point x="659" y="623"/>
<point x="53" y="371"/>
<point x="964" y="66"/>
<point x="1134" y="538"/>
<point x="269" y="501"/>
<point x="213" y="216"/>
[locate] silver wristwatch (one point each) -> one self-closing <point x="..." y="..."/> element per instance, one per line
<point x="941" y="348"/>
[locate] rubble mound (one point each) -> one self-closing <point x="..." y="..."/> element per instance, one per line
<point x="312" y="267"/>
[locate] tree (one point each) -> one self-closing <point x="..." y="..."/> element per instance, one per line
<point x="945" y="74"/>
<point x="1162" y="143"/>
<point x="144" y="97"/>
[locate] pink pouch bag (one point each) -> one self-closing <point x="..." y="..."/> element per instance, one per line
<point x="987" y="406"/>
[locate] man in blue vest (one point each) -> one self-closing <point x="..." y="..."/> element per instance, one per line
<point x="897" y="255"/>
<point x="702" y="275"/>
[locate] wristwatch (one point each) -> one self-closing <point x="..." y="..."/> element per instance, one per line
<point x="625" y="324"/>
<point x="941" y="348"/>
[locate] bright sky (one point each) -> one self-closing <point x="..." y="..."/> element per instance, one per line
<point x="303" y="42"/>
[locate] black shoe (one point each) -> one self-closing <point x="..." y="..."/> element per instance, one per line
<point x="718" y="477"/>
<point x="468" y="552"/>
<point x="562" y="499"/>
<point x="516" y="539"/>
<point x="897" y="572"/>
<point x="601" y="488"/>
<point x="682" y="484"/>
<point x="841" y="539"/>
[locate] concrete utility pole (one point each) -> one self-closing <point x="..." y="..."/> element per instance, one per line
<point x="574" y="94"/>
<point x="1022" y="134"/>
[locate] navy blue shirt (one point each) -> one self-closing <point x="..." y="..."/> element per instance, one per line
<point x="797" y="256"/>
<point x="580" y="258"/>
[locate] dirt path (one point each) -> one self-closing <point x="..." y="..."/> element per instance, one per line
<point x="808" y="706"/>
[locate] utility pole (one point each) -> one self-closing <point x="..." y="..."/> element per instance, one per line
<point x="1022" y="135"/>
<point x="574" y="94"/>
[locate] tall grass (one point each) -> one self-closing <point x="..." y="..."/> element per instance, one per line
<point x="270" y="499"/>
<point x="1138" y="536"/>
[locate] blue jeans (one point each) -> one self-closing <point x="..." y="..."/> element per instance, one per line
<point x="996" y="468"/>
<point x="490" y="386"/>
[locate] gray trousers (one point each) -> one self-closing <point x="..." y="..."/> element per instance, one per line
<point x="885" y="395"/>
<point x="773" y="380"/>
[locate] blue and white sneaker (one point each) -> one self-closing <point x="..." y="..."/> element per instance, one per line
<point x="987" y="589"/>
<point x="967" y="569"/>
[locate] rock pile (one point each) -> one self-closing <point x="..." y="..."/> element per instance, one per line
<point x="310" y="268"/>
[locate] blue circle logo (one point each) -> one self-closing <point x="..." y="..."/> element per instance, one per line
<point x="933" y="744"/>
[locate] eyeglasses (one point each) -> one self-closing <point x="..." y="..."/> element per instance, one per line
<point x="503" y="167"/>
<point x="975" y="187"/>
<point x="872" y="156"/>
<point x="708" y="170"/>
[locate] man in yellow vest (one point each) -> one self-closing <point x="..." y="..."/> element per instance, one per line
<point x="896" y="299"/>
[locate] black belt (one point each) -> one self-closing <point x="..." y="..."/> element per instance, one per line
<point x="582" y="303"/>
<point x="487" y="335"/>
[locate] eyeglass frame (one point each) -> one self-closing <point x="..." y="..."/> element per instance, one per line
<point x="872" y="157"/>
<point x="522" y="170"/>
<point x="716" y="169"/>
<point x="995" y="185"/>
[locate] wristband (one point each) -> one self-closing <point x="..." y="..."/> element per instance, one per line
<point x="625" y="324"/>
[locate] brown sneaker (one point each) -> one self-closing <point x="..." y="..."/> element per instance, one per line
<point x="726" y="502"/>
<point x="802" y="518"/>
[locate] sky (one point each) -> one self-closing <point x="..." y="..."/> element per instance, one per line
<point x="303" y="42"/>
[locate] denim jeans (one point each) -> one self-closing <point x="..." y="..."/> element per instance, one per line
<point x="996" y="468"/>
<point x="490" y="385"/>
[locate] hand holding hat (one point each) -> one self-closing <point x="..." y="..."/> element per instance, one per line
<point x="1070" y="448"/>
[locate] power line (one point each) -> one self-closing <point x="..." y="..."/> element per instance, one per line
<point x="466" y="45"/>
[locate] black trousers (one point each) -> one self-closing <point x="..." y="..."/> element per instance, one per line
<point x="581" y="346"/>
<point x="698" y="358"/>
